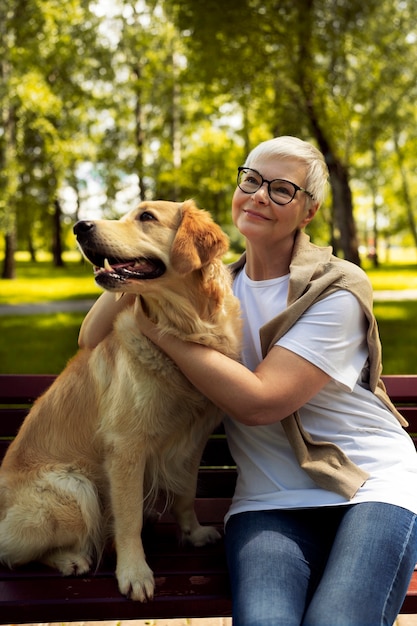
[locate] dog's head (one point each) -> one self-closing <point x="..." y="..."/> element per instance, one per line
<point x="150" y="242"/>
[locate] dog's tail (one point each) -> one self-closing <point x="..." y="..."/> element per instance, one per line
<point x="60" y="509"/>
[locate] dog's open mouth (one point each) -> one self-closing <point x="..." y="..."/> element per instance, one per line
<point x="137" y="269"/>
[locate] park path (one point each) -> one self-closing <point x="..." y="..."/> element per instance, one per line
<point x="81" y="306"/>
<point x="57" y="306"/>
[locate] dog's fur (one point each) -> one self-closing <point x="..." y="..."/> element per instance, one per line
<point x="121" y="422"/>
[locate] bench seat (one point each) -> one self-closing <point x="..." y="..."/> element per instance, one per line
<point x="190" y="582"/>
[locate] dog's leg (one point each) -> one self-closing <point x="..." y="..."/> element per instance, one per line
<point x="191" y="529"/>
<point x="126" y="476"/>
<point x="183" y="510"/>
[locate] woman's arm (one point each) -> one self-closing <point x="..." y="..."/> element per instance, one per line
<point x="281" y="384"/>
<point x="98" y="322"/>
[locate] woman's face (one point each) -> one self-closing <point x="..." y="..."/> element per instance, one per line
<point x="259" y="218"/>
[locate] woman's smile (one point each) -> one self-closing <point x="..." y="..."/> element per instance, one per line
<point x="256" y="214"/>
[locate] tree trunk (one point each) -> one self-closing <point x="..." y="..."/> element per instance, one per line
<point x="32" y="249"/>
<point x="176" y="123"/>
<point x="343" y="210"/>
<point x="345" y="228"/>
<point x="56" y="235"/>
<point x="9" y="169"/>
<point x="406" y="190"/>
<point x="344" y="232"/>
<point x="9" y="268"/>
<point x="139" y="132"/>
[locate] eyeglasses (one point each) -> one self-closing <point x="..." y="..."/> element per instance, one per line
<point x="280" y="191"/>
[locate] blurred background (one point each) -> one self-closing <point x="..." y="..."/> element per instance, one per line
<point x="107" y="102"/>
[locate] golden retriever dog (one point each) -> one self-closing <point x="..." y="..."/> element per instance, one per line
<point x="121" y="423"/>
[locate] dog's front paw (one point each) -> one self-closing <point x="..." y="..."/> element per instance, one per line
<point x="202" y="535"/>
<point x="68" y="563"/>
<point x="136" y="581"/>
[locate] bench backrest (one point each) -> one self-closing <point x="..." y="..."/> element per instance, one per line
<point x="217" y="473"/>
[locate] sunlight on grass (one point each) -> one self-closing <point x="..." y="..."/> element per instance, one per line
<point x="41" y="282"/>
<point x="392" y="311"/>
<point x="398" y="331"/>
<point x="38" y="344"/>
<point x="393" y="277"/>
<point x="44" y="343"/>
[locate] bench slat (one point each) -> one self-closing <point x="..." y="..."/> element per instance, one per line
<point x="410" y="602"/>
<point x="190" y="582"/>
<point x="23" y="388"/>
<point x="10" y="420"/>
<point x="39" y="600"/>
<point x="402" y="388"/>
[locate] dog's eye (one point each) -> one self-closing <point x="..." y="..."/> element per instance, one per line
<point x="146" y="217"/>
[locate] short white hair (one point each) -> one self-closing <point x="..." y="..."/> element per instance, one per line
<point x="287" y="146"/>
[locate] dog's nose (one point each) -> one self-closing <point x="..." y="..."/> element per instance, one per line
<point x="83" y="228"/>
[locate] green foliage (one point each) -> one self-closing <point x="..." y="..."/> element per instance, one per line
<point x="51" y="66"/>
<point x="120" y="100"/>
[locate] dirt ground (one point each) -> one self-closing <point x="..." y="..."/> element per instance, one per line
<point x="216" y="621"/>
<point x="403" y="620"/>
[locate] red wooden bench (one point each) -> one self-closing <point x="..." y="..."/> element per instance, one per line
<point x="190" y="582"/>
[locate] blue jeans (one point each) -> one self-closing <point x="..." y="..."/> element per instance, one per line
<point x="331" y="566"/>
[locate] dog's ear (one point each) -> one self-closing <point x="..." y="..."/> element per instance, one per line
<point x="198" y="240"/>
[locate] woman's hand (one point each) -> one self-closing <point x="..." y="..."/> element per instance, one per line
<point x="147" y="327"/>
<point x="98" y="322"/>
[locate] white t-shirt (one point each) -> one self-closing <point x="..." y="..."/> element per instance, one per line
<point x="331" y="334"/>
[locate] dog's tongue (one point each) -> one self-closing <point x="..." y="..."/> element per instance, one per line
<point x="107" y="269"/>
<point x="141" y="265"/>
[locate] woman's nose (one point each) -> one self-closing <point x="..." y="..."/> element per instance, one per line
<point x="262" y="194"/>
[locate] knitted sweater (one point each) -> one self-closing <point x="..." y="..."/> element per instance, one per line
<point x="314" y="274"/>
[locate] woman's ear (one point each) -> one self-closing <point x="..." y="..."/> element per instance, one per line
<point x="198" y="241"/>
<point x="310" y="213"/>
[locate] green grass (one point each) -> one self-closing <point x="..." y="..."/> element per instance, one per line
<point x="44" y="343"/>
<point x="40" y="282"/>
<point x="38" y="344"/>
<point x="394" y="277"/>
<point x="398" y="331"/>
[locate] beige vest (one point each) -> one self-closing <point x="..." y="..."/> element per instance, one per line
<point x="314" y="274"/>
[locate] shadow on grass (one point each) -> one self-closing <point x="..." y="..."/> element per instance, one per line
<point x="38" y="344"/>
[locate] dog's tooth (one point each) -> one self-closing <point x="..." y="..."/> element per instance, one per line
<point x="119" y="295"/>
<point x="107" y="265"/>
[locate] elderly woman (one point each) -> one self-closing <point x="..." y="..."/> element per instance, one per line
<point x="322" y="528"/>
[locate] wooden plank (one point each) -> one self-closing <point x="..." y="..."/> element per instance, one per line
<point x="217" y="453"/>
<point x="402" y="388"/>
<point x="23" y="388"/>
<point x="219" y="482"/>
<point x="86" y="599"/>
<point x="410" y="602"/>
<point x="11" y="419"/>
<point x="189" y="582"/>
